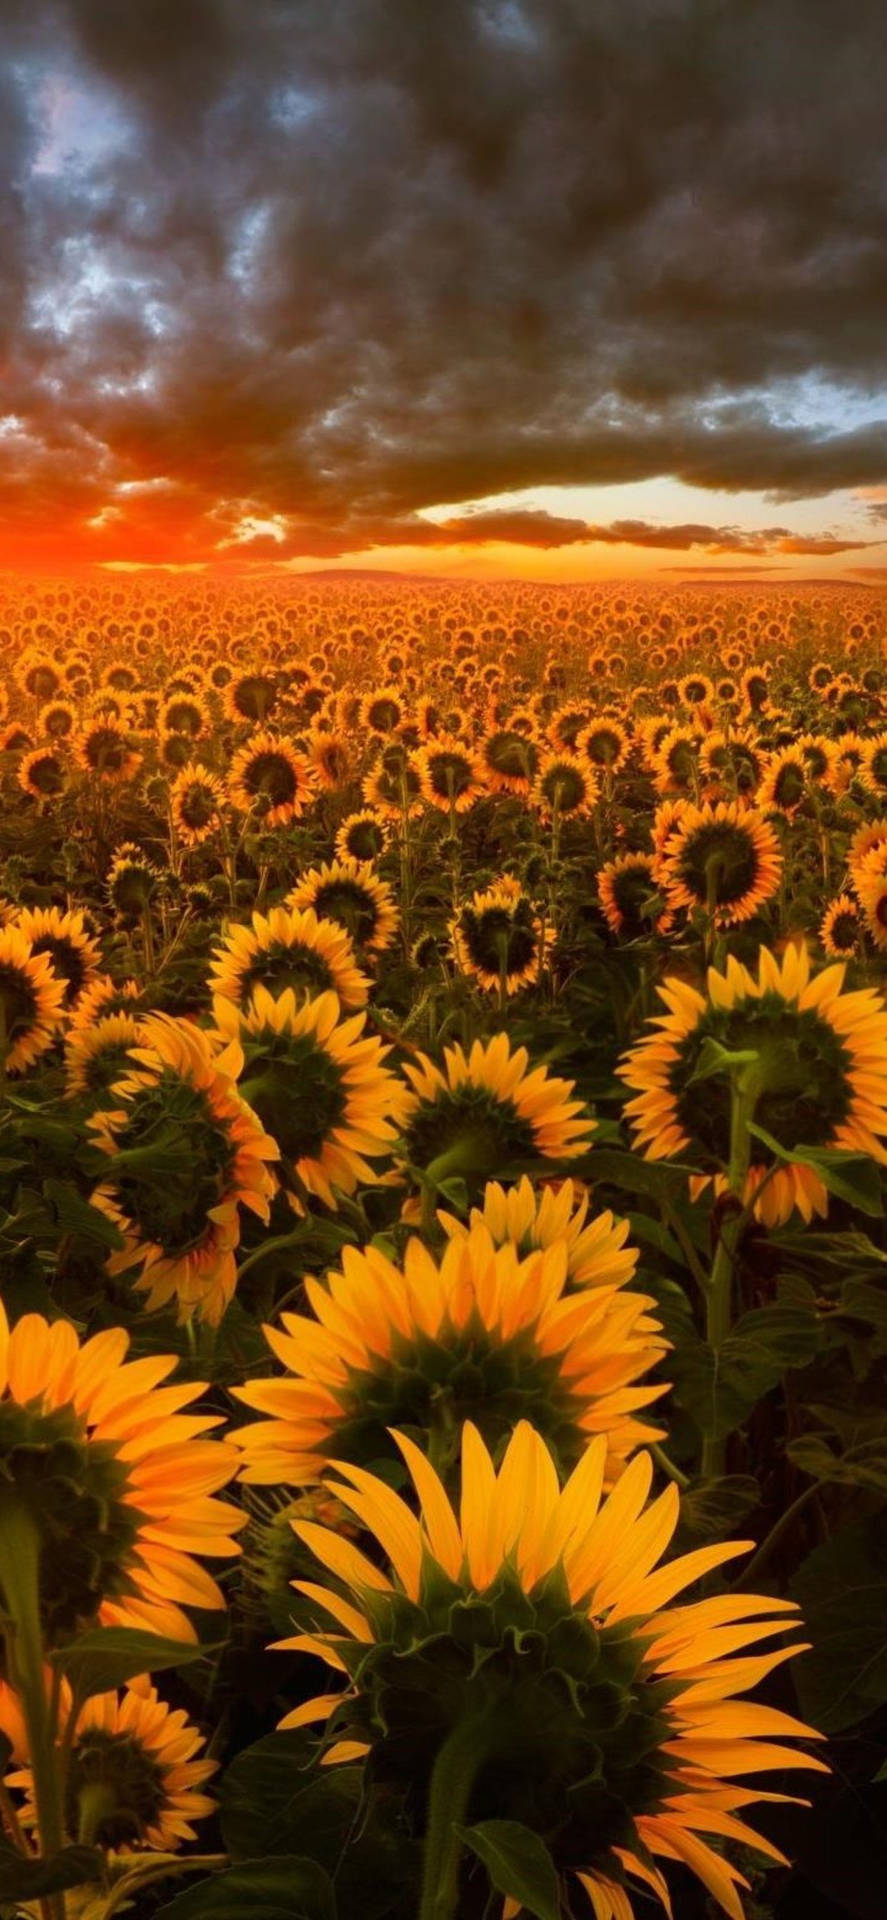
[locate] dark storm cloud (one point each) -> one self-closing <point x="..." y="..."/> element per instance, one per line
<point x="344" y="259"/>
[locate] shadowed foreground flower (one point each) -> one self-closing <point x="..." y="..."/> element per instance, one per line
<point x="107" y="1479"/>
<point x="498" y="939"/>
<point x="483" y="1111"/>
<point x="187" y="1153"/>
<point x="74" y="954"/>
<point x="820" y="1067"/>
<point x="31" y="1001"/>
<point x="288" y="949"/>
<point x="521" y="1660"/>
<point x="133" y="1779"/>
<point x="351" y="893"/>
<point x="485" y="1333"/>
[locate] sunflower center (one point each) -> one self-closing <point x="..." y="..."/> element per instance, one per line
<point x="72" y="1490"/>
<point x="564" y="788"/>
<point x="513" y="756"/>
<point x="365" y="840"/>
<point x="255" y="696"/>
<point x="634" y="894"/>
<point x="47" y="774"/>
<point x="272" y="775"/>
<point x="449" y="773"/>
<point x="603" y="746"/>
<point x="114" y="1787"/>
<point x="132" y="886"/>
<point x="198" y="805"/>
<point x="805" y="1070"/>
<point x="789" y="788"/>
<point x="105" y="750"/>
<point x="297" y="1090"/>
<point x="173" y="1164"/>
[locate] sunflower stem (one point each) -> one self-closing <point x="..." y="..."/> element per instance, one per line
<point x="745" y="1087"/>
<point x="453" y="1775"/>
<point x="20" y="1561"/>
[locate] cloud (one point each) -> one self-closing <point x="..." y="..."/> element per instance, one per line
<point x="347" y="260"/>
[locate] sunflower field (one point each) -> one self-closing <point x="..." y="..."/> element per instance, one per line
<point x="443" y="1270"/>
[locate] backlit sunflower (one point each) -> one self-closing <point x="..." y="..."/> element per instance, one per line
<point x="676" y="762"/>
<point x="187" y="1153"/>
<point x="319" y="1087"/>
<point x="629" y="896"/>
<point x="730" y="763"/>
<point x="383" y="711"/>
<point x="510" y="759"/>
<point x="605" y="743"/>
<point x="724" y="858"/>
<point x="184" y="713"/>
<point x="105" y="750"/>
<point x="872" y="889"/>
<point x="74" y="954"/>
<point x="133" y="1778"/>
<point x="362" y="836"/>
<point x="331" y="756"/>
<point x="351" y="893"/>
<point x="251" y="697"/>
<point x="31" y="1000"/>
<point x="451" y="774"/>
<point x="597" y="1255"/>
<point x="392" y="785"/>
<point x="565" y="787"/>
<point x="487" y="1333"/>
<point x="268" y="775"/>
<point x="627" y="1757"/>
<point x="842" y="928"/>
<point x="498" y="938"/>
<point x="57" y="720"/>
<point x="114" y="1481"/>
<point x="483" y="1111"/>
<point x="197" y="803"/>
<point x="133" y="881"/>
<point x="783" y="786"/>
<point x="42" y="773"/>
<point x="821" y="1069"/>
<point x="873" y="765"/>
<point x="98" y="1052"/>
<point x="288" y="948"/>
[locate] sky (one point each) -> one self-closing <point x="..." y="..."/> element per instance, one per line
<point x="547" y="289"/>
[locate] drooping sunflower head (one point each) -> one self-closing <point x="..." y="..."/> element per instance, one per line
<point x="451" y="775"/>
<point x="723" y="858"/>
<point x="97" y="1053"/>
<point x="268" y="775"/>
<point x="251" y="697"/>
<point x="133" y="1778"/>
<point x="105" y="750"/>
<point x="32" y="997"/>
<point x="498" y="938"/>
<point x="783" y="788"/>
<point x="319" y="1086"/>
<point x="510" y="759"/>
<point x="484" y="1112"/>
<point x="820" y="1064"/>
<point x="392" y="786"/>
<point x="288" y="949"/>
<point x="565" y="787"/>
<point x="351" y="893"/>
<point x="523" y="1646"/>
<point x="186" y="1153"/>
<point x="104" y="1482"/>
<point x="605" y="743"/>
<point x="487" y="1332"/>
<point x="74" y="954"/>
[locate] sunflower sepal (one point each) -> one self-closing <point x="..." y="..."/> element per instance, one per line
<point x="104" y="1658"/>
<point x="849" y="1175"/>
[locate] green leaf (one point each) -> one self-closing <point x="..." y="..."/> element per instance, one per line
<point x="863" y="1465"/>
<point x="272" y="1801"/>
<point x="630" y="1174"/>
<point x="841" y="1589"/>
<point x="75" y="1215"/>
<point x="518" y="1863"/>
<point x="715" y="1508"/>
<point x="853" y="1177"/>
<point x="107" y="1657"/>
<point x="288" y="1888"/>
<point x="22" y="1879"/>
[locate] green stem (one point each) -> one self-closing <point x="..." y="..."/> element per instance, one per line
<point x="780" y="1527"/>
<point x="19" y="1560"/>
<point x="745" y="1086"/>
<point x="453" y="1776"/>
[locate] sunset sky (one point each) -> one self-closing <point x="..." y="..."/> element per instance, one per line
<point x="553" y="289"/>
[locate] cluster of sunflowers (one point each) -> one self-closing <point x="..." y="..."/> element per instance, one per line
<point x="334" y="923"/>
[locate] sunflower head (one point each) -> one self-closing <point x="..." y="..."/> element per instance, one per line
<point x="269" y="777"/>
<point x="484" y="1111"/>
<point x="73" y="952"/>
<point x="288" y="950"/>
<point x="32" y="997"/>
<point x="498" y="938"/>
<point x="722" y="858"/>
<point x="351" y="893"/>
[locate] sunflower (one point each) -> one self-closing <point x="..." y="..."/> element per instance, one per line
<point x="597" y="1255"/>
<point x="74" y="955"/>
<point x="351" y="893"/>
<point x="330" y="754"/>
<point x="392" y="785"/>
<point x="133" y="1778"/>
<point x="696" y="690"/>
<point x="97" y="1053"/>
<point x="186" y="1153"/>
<point x="483" y="1111"/>
<point x="820" y="756"/>
<point x="626" y="1758"/>
<point x="132" y="881"/>
<point x="196" y="801"/>
<point x="821" y="1067"/>
<point x="510" y="760"/>
<point x="873" y="765"/>
<point x="114" y="1480"/>
<point x="105" y="749"/>
<point x="383" y="711"/>
<point x="486" y="1332"/>
<point x="31" y="1000"/>
<point x="676" y="762"/>
<point x="867" y="852"/>
<point x="288" y="948"/>
<point x="605" y="743"/>
<point x="184" y="713"/>
<point x="565" y="787"/>
<point x="498" y="939"/>
<point x="566" y="724"/>
<point x="872" y="890"/>
<point x="730" y="763"/>
<point x="347" y="1103"/>
<point x="42" y="773"/>
<point x="269" y="775"/>
<point x="451" y="775"/>
<point x="362" y="836"/>
<point x="251" y="697"/>
<point x="629" y="896"/>
<point x="842" y="928"/>
<point x="724" y="858"/>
